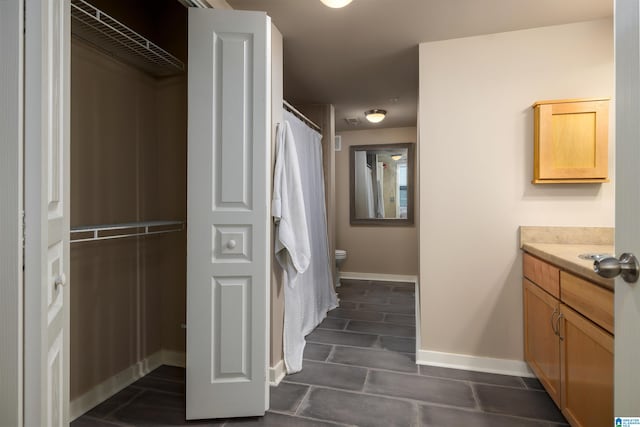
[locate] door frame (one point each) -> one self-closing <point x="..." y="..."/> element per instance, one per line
<point x="11" y="208"/>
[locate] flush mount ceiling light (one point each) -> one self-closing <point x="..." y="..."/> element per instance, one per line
<point x="396" y="157"/>
<point x="336" y="4"/>
<point x="375" y="116"/>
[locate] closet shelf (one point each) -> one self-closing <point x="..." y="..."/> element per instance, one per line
<point x="108" y="34"/>
<point x="89" y="233"/>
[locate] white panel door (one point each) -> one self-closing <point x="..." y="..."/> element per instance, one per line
<point x="47" y="35"/>
<point x="627" y="296"/>
<point x="228" y="213"/>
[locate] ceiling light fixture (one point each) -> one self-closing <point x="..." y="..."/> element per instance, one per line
<point x="336" y="4"/>
<point x="375" y="116"/>
<point x="396" y="157"/>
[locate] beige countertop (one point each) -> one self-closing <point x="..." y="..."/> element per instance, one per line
<point x="565" y="256"/>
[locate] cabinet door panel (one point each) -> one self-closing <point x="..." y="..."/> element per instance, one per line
<point x="542" y="347"/>
<point x="587" y="371"/>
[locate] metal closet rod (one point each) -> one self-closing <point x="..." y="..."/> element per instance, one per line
<point x="290" y="108"/>
<point x="126" y="229"/>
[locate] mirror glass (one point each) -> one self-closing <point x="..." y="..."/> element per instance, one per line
<point x="382" y="184"/>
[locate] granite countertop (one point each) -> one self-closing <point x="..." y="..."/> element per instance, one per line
<point x="565" y="256"/>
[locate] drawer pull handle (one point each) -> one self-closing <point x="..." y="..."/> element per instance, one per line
<point x="553" y="320"/>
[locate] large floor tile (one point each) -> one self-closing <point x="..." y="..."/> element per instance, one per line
<point x="167" y="372"/>
<point x="380" y="359"/>
<point x="286" y="397"/>
<point x="403" y="345"/>
<point x="478" y="377"/>
<point x="333" y="323"/>
<point x="159" y="384"/>
<point x="533" y="383"/>
<point x="325" y="336"/>
<point x="356" y="314"/>
<point x="114" y="402"/>
<point x="426" y="389"/>
<point x="390" y="308"/>
<point x="365" y="298"/>
<point x="278" y="420"/>
<point x="379" y="328"/>
<point x="359" y="409"/>
<point x="434" y="416"/>
<point x="523" y="403"/>
<point x="313" y="351"/>
<point x="157" y="409"/>
<point x="402" y="300"/>
<point x="330" y="375"/>
<point x="402" y="319"/>
<point x="86" y="421"/>
<point x="348" y="305"/>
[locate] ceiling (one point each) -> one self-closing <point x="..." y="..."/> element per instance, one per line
<point x="365" y="55"/>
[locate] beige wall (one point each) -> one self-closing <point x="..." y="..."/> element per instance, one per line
<point x="128" y="163"/>
<point x="476" y="161"/>
<point x="382" y="250"/>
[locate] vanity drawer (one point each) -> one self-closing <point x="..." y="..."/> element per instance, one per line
<point x="542" y="274"/>
<point x="587" y="298"/>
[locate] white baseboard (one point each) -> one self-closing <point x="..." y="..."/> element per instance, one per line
<point x="276" y="373"/>
<point x="378" y="277"/>
<point x="174" y="358"/>
<point x="122" y="379"/>
<point x="474" y="363"/>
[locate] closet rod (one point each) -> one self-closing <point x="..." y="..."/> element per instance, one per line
<point x="90" y="233"/>
<point x="290" y="108"/>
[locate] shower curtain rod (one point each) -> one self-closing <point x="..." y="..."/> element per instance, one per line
<point x="290" y="108"/>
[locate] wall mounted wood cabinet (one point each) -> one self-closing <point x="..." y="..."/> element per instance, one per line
<point x="568" y="325"/>
<point x="571" y="141"/>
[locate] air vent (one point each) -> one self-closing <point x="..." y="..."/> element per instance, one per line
<point x="352" y="121"/>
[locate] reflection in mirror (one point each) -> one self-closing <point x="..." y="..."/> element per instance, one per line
<point x="382" y="184"/>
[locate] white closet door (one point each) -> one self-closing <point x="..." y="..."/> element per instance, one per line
<point x="228" y="213"/>
<point x="47" y="46"/>
<point x="627" y="296"/>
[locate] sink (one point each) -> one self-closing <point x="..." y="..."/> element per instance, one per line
<point x="593" y="256"/>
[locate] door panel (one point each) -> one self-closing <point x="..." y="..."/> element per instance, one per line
<point x="627" y="297"/>
<point x="228" y="213"/>
<point x="47" y="47"/>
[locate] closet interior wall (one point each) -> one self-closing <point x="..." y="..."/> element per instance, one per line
<point x="128" y="164"/>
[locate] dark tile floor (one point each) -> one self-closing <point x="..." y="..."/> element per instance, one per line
<point x="359" y="370"/>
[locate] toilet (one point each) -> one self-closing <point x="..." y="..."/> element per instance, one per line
<point x="341" y="255"/>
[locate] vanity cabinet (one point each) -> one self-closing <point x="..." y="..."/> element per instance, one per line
<point x="569" y="341"/>
<point x="571" y="141"/>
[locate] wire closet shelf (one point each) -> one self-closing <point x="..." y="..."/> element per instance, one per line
<point x="90" y="233"/>
<point x="110" y="35"/>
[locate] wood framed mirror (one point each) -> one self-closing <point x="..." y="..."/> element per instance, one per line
<point x="382" y="184"/>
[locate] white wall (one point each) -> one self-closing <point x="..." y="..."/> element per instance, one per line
<point x="476" y="162"/>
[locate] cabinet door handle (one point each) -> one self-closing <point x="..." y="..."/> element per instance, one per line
<point x="553" y="321"/>
<point x="560" y="316"/>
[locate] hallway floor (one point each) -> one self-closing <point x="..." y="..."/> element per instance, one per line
<point x="359" y="370"/>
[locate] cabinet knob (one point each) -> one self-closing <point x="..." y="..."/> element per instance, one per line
<point x="627" y="266"/>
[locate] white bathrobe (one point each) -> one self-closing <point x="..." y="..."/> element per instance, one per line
<point x="292" y="247"/>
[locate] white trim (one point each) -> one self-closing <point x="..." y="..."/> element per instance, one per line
<point x="122" y="379"/>
<point x="174" y="358"/>
<point x="378" y="277"/>
<point x="276" y="373"/>
<point x="11" y="195"/>
<point x="473" y="363"/>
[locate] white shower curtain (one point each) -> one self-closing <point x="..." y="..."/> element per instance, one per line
<point x="307" y="302"/>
